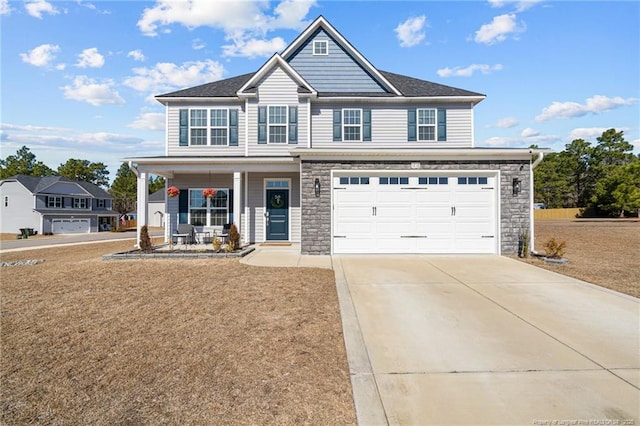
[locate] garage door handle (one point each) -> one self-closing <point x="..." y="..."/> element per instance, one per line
<point x="339" y="236"/>
<point x="413" y="236"/>
<point x="487" y="236"/>
<point x="453" y="211"/>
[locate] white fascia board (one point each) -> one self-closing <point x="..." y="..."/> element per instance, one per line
<point x="416" y="154"/>
<point x="275" y="60"/>
<point x="194" y="99"/>
<point x="474" y="100"/>
<point x="322" y="22"/>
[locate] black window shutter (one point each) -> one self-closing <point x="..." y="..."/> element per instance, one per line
<point x="411" y="125"/>
<point x="337" y="125"/>
<point x="442" y="124"/>
<point x="366" y="124"/>
<point x="233" y="127"/>
<point x="262" y="124"/>
<point x="184" y="127"/>
<point x="183" y="206"/>
<point x="293" y="124"/>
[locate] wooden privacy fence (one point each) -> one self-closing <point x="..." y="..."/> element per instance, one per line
<point x="557" y="213"/>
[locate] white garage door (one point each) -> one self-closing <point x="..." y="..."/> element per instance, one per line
<point x="70" y="226"/>
<point x="453" y="213"/>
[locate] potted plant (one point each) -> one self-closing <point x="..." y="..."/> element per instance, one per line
<point x="209" y="192"/>
<point x="173" y="191"/>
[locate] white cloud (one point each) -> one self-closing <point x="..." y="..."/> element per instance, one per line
<point x="636" y="144"/>
<point x="167" y="76"/>
<point x="90" y="58"/>
<point x="253" y="48"/>
<point x="499" y="141"/>
<point x="5" y="9"/>
<point x="197" y="44"/>
<point x="505" y="123"/>
<point x="520" y="6"/>
<point x="587" y="133"/>
<point x="149" y="121"/>
<point x="498" y="29"/>
<point x="593" y="105"/>
<point x="40" y="56"/>
<point x="245" y="23"/>
<point x="85" y="89"/>
<point x="38" y="7"/>
<point x="529" y="133"/>
<point x="410" y="32"/>
<point x="137" y="55"/>
<point x="32" y="128"/>
<point x="468" y="71"/>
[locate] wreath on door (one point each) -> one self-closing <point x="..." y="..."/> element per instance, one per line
<point x="277" y="201"/>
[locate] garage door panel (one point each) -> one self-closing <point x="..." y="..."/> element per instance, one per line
<point x="407" y="218"/>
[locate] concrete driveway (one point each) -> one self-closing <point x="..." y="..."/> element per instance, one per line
<point x="486" y="340"/>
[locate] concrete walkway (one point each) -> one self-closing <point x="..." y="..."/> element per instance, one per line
<point x="285" y="255"/>
<point x="485" y="340"/>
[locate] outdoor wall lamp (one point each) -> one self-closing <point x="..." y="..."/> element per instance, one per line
<point x="316" y="187"/>
<point x="516" y="186"/>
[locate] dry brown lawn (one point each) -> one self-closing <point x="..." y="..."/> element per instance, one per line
<point x="87" y="341"/>
<point x="602" y="252"/>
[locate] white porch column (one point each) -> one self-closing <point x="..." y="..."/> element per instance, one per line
<point x="237" y="196"/>
<point x="143" y="204"/>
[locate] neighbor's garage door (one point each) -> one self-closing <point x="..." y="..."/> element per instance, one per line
<point x="70" y="226"/>
<point x="453" y="213"/>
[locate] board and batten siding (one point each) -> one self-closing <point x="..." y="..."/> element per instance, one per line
<point x="389" y="126"/>
<point x="276" y="88"/>
<point x="335" y="72"/>
<point x="173" y="129"/>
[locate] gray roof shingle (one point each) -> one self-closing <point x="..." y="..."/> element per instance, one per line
<point x="408" y="86"/>
<point x="37" y="184"/>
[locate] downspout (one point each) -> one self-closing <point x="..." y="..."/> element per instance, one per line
<point x="532" y="219"/>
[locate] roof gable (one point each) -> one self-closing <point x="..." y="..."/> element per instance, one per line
<point x="59" y="185"/>
<point x="322" y="28"/>
<point x="276" y="60"/>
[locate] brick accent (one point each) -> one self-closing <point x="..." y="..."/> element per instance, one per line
<point x="316" y="211"/>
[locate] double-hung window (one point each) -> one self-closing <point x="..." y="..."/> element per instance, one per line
<point x="54" y="202"/>
<point x="198" y="126"/>
<point x="352" y="124"/>
<point x="219" y="130"/>
<point x="427" y="129"/>
<point x="277" y="124"/>
<point x="79" y="203"/>
<point x="101" y="203"/>
<point x="208" y="211"/>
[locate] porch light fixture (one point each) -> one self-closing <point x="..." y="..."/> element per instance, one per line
<point x="316" y="187"/>
<point x="516" y="186"/>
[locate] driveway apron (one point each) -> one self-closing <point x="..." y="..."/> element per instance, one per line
<point x="486" y="340"/>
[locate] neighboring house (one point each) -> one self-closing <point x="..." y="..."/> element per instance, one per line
<point x="320" y="148"/>
<point x="156" y="211"/>
<point x="54" y="204"/>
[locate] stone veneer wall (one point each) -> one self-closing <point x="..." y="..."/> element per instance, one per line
<point x="316" y="211"/>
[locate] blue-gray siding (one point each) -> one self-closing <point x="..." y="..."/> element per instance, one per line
<point x="335" y="72"/>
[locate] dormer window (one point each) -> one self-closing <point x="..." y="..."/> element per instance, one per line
<point x="321" y="47"/>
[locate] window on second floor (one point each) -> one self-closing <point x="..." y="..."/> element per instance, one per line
<point x="321" y="47"/>
<point x="101" y="203"/>
<point x="54" y="202"/>
<point x="352" y="124"/>
<point x="80" y="203"/>
<point x="427" y="129"/>
<point x="277" y="123"/>
<point x="208" y="126"/>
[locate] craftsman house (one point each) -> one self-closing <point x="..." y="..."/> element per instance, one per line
<point x="321" y="148"/>
<point x="54" y="205"/>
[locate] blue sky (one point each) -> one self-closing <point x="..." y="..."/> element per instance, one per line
<point x="78" y="77"/>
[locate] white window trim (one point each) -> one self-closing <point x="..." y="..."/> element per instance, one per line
<point x="208" y="208"/>
<point x="351" y="125"/>
<point x="434" y="125"/>
<point x="77" y="202"/>
<point x="326" y="48"/>
<point x="286" y="124"/>
<point x="212" y="127"/>
<point x="208" y="126"/>
<point x="54" y="198"/>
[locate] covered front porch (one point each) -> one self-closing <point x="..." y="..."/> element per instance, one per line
<point x="261" y="196"/>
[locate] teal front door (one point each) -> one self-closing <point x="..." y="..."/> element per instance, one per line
<point x="277" y="215"/>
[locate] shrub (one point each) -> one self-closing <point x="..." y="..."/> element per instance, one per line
<point x="234" y="237"/>
<point x="554" y="249"/>
<point x="523" y="243"/>
<point x="217" y="244"/>
<point x="145" y="241"/>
